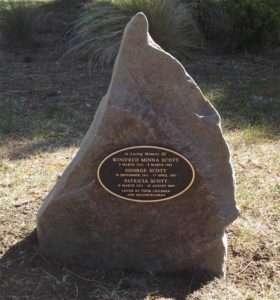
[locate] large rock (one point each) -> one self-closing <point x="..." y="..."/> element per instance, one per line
<point x="151" y="101"/>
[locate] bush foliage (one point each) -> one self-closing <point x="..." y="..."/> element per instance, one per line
<point x="240" y="24"/>
<point x="17" y="19"/>
<point x="254" y="23"/>
<point x="236" y="25"/>
<point x="98" y="30"/>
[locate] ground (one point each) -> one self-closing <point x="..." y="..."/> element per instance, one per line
<point x="47" y="104"/>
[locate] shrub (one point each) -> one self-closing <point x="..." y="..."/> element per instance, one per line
<point x="98" y="31"/>
<point x="255" y="23"/>
<point x="240" y="24"/>
<point x="17" y="19"/>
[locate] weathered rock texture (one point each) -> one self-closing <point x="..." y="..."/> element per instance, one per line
<point x="151" y="101"/>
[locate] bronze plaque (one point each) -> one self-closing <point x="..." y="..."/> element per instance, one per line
<point x="146" y="174"/>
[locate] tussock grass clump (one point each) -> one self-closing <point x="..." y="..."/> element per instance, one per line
<point x="17" y="19"/>
<point x="98" y="30"/>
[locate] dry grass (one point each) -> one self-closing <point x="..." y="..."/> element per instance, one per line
<point x="253" y="265"/>
<point x="48" y="107"/>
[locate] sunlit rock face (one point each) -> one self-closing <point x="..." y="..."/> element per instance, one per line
<point x="151" y="100"/>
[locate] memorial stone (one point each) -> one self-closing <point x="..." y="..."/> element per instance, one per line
<point x="152" y="186"/>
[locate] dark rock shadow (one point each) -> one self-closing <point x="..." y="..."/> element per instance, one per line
<point x="25" y="274"/>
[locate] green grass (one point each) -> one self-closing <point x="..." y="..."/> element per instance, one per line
<point x="98" y="30"/>
<point x="8" y="123"/>
<point x="59" y="112"/>
<point x="253" y="105"/>
<point x="257" y="133"/>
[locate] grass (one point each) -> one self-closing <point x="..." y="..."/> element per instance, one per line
<point x="98" y="30"/>
<point x="250" y="103"/>
<point x="46" y="108"/>
<point x="18" y="18"/>
<point x="7" y="120"/>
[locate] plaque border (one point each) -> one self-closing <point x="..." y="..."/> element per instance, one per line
<point x="145" y="201"/>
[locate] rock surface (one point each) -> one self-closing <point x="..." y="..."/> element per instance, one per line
<point x="151" y="101"/>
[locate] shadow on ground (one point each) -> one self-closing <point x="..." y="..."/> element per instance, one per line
<point x="25" y="274"/>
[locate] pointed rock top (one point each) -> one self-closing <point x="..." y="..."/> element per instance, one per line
<point x="152" y="70"/>
<point x="137" y="30"/>
<point x="151" y="101"/>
